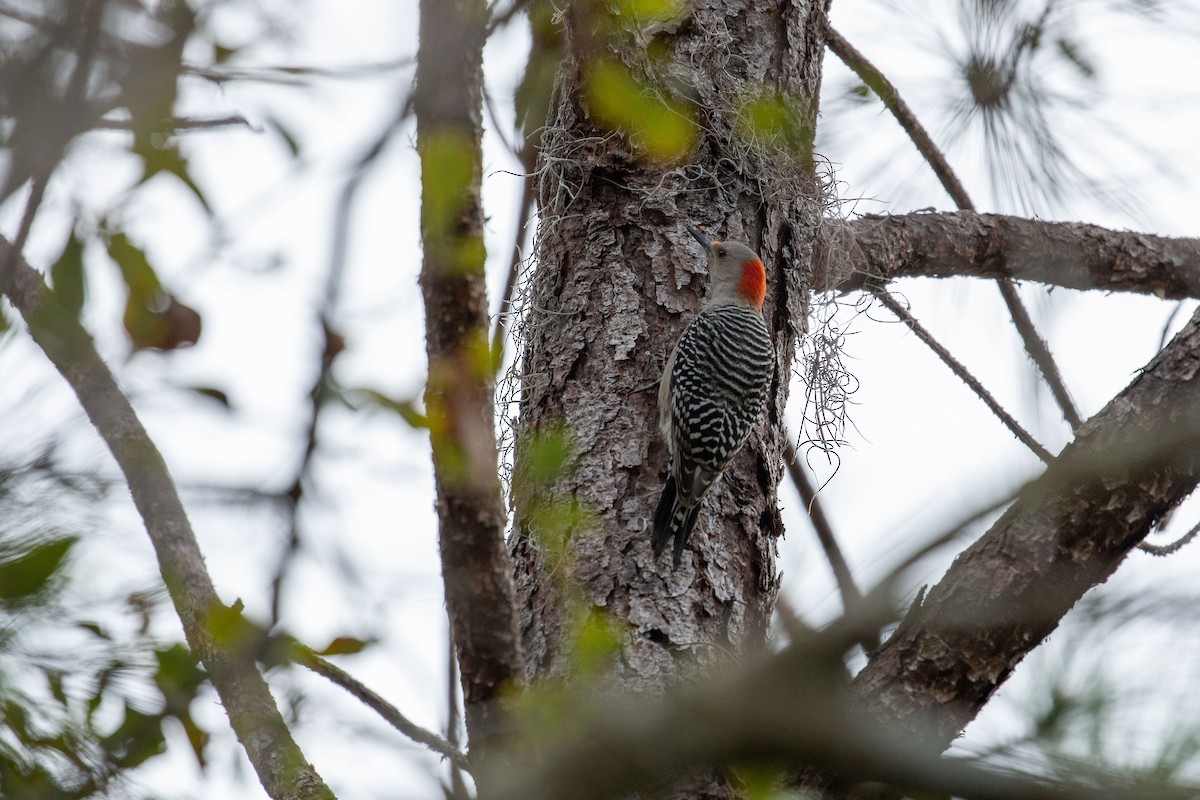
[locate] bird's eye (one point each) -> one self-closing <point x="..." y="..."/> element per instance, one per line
<point x="721" y="252"/>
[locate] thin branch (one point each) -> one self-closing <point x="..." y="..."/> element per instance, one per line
<point x="458" y="787"/>
<point x="1172" y="547"/>
<point x="851" y="596"/>
<point x="893" y="102"/>
<point x="179" y="123"/>
<point x="891" y="304"/>
<point x="332" y="346"/>
<point x="255" y="718"/>
<point x="1039" y="351"/>
<point x="504" y="314"/>
<point x="887" y="93"/>
<point x="499" y="20"/>
<point x="307" y="658"/>
<point x="294" y="74"/>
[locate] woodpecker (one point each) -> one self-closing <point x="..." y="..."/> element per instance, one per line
<point x="714" y="387"/>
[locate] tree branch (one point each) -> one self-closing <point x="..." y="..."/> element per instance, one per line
<point x="958" y="369"/>
<point x="1035" y="345"/>
<point x="305" y="656"/>
<point x="887" y="93"/>
<point x="281" y="766"/>
<point x="851" y="596"/>
<point x="791" y="708"/>
<point x="1066" y="533"/>
<point x="460" y="394"/>
<point x="1067" y="254"/>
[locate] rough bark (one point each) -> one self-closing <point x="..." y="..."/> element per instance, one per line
<point x="460" y="392"/>
<point x="1067" y="532"/>
<point x="617" y="279"/>
<point x="279" y="763"/>
<point x="1067" y="254"/>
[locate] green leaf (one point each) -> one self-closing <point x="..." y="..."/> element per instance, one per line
<point x="30" y="572"/>
<point x="93" y="628"/>
<point x="544" y="457"/>
<point x="221" y="53"/>
<point x="661" y="126"/>
<point x="346" y="646"/>
<point x="153" y="317"/>
<point x="197" y="738"/>
<point x="212" y="393"/>
<point x="164" y="157"/>
<point x="761" y="782"/>
<point x="232" y="631"/>
<point x="66" y="276"/>
<point x="782" y="121"/>
<point x="405" y="407"/>
<point x="449" y="186"/>
<point x="649" y="10"/>
<point x="140" y="277"/>
<point x="860" y="93"/>
<point x="596" y="641"/>
<point x="179" y="676"/>
<point x="138" y="739"/>
<point x="16" y="719"/>
<point x="54" y="679"/>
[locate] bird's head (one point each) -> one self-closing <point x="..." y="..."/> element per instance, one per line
<point x="735" y="271"/>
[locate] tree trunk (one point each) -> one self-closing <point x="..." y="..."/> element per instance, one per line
<point x="617" y="278"/>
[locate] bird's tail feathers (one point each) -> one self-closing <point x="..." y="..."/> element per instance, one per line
<point x="672" y="519"/>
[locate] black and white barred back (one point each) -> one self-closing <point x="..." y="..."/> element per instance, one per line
<point x="719" y="380"/>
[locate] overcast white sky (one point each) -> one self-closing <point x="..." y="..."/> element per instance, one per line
<point x="921" y="450"/>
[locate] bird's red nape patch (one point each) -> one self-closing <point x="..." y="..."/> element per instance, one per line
<point x="753" y="285"/>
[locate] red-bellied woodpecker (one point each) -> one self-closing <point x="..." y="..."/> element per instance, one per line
<point x="714" y="386"/>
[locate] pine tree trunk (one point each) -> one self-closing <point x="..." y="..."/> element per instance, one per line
<point x="617" y="278"/>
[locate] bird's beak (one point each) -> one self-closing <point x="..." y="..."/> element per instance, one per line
<point x="700" y="237"/>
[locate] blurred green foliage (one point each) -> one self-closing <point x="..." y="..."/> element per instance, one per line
<point x="448" y="170"/>
<point x="784" y="123"/>
<point x="86" y="690"/>
<point x="662" y="127"/>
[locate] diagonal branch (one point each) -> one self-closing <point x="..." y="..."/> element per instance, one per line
<point x="958" y="369"/>
<point x="791" y="709"/>
<point x="1035" y="345"/>
<point x="851" y="596"/>
<point x="1068" y="531"/>
<point x="1071" y="255"/>
<point x="305" y="656"/>
<point x="323" y="389"/>
<point x="255" y="718"/>
<point x="869" y="74"/>
<point x="1039" y="351"/>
